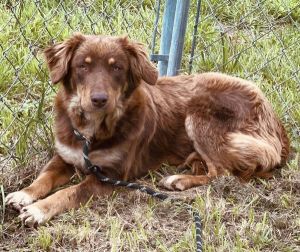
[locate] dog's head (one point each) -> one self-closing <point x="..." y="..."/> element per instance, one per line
<point x="99" y="70"/>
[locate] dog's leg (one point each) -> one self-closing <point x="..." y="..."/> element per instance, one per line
<point x="194" y="162"/>
<point x="183" y="182"/>
<point x="54" y="174"/>
<point x="68" y="198"/>
<point x="201" y="137"/>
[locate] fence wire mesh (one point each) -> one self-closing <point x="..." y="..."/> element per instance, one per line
<point x="257" y="40"/>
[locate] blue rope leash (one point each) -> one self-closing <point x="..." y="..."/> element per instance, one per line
<point x="96" y="170"/>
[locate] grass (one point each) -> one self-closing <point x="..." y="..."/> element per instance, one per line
<point x="256" y="40"/>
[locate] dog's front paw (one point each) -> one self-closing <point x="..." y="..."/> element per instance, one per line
<point x="32" y="216"/>
<point x="174" y="182"/>
<point x="18" y="200"/>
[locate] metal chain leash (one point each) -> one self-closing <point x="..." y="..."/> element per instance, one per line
<point x="96" y="170"/>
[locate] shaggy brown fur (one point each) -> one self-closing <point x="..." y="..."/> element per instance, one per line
<point x="111" y="93"/>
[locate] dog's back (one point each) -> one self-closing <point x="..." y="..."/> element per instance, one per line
<point x="243" y="105"/>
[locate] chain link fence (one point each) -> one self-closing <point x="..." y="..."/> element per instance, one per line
<point x="257" y="40"/>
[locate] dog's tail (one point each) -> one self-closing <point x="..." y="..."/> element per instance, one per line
<point x="253" y="156"/>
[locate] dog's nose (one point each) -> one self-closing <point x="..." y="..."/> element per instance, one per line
<point x="99" y="99"/>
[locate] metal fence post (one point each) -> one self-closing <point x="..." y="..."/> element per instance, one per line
<point x="166" y="37"/>
<point x="179" y="28"/>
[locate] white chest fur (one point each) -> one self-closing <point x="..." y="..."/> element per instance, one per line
<point x="74" y="156"/>
<point x="69" y="155"/>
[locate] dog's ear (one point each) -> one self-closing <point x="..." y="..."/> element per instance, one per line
<point x="140" y="67"/>
<point x="58" y="56"/>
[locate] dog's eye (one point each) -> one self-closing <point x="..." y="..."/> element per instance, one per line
<point x="116" y="68"/>
<point x="83" y="67"/>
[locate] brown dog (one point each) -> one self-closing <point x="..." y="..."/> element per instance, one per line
<point x="111" y="93"/>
